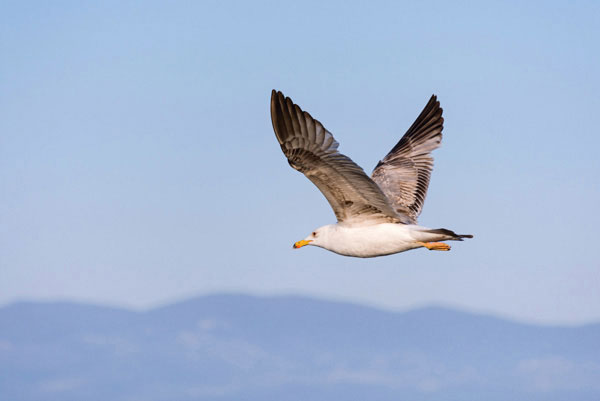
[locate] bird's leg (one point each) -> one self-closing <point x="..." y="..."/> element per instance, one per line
<point x="435" y="246"/>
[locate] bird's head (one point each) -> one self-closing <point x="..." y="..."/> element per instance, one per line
<point x="317" y="238"/>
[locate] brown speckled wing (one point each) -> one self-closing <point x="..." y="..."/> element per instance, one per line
<point x="312" y="150"/>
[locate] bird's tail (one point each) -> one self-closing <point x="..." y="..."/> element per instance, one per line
<point x="449" y="234"/>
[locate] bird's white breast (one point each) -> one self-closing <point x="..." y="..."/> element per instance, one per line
<point x="369" y="241"/>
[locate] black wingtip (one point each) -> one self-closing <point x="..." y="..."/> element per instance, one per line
<point x="433" y="100"/>
<point x="274" y="94"/>
<point x="276" y="112"/>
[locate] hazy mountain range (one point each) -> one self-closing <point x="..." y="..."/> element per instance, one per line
<point x="237" y="347"/>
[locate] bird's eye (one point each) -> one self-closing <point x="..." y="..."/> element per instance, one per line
<point x="314" y="233"/>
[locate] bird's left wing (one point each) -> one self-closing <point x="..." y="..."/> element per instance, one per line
<point x="312" y="150"/>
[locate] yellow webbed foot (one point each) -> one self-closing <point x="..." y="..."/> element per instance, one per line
<point x="435" y="246"/>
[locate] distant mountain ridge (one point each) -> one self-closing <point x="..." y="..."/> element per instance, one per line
<point x="232" y="347"/>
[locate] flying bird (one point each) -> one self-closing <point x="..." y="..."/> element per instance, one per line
<point x="376" y="215"/>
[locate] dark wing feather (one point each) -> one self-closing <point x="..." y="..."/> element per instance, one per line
<point x="312" y="150"/>
<point x="403" y="175"/>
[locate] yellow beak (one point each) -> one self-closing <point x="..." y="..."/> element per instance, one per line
<point x="300" y="244"/>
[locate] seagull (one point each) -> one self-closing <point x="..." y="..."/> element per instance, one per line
<point x="376" y="215"/>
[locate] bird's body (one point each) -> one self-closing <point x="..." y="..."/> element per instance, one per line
<point x="376" y="215"/>
<point x="367" y="241"/>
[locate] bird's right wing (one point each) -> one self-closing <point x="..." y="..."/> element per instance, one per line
<point x="403" y="174"/>
<point x="312" y="150"/>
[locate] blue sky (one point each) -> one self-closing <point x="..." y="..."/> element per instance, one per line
<point x="138" y="163"/>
